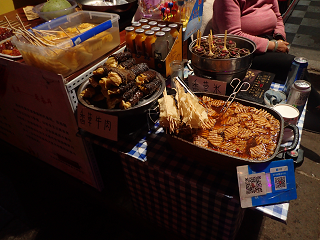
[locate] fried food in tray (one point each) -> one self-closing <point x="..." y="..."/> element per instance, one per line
<point x="123" y="86"/>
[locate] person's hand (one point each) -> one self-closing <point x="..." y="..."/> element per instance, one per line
<point x="282" y="46"/>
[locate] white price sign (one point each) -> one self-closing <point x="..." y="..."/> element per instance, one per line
<point x="98" y="123"/>
<point x="199" y="84"/>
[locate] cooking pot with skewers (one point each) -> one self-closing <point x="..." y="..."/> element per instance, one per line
<point x="223" y="69"/>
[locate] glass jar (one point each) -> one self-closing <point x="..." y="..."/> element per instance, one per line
<point x="155" y="29"/>
<point x="161" y="25"/>
<point x="160" y="46"/>
<point x="136" y="25"/>
<point x="143" y="21"/>
<point x="149" y="43"/>
<point x="139" y="41"/>
<point x="146" y="27"/>
<point x="153" y="23"/>
<point x="130" y="39"/>
<point x="174" y="30"/>
<point x="169" y="38"/>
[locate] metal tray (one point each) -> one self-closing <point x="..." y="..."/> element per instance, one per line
<point x="224" y="161"/>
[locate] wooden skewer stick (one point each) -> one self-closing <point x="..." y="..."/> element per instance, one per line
<point x="225" y="40"/>
<point x="64" y="31"/>
<point x="19" y="19"/>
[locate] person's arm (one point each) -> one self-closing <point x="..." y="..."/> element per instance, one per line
<point x="227" y="15"/>
<point x="279" y="31"/>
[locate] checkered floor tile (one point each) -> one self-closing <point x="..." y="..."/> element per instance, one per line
<point x="303" y="27"/>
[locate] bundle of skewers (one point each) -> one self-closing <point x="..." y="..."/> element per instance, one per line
<point x="217" y="48"/>
<point x="120" y="83"/>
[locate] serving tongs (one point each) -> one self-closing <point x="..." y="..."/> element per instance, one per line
<point x="240" y="87"/>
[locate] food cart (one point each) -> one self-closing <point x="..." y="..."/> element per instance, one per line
<point x="167" y="188"/>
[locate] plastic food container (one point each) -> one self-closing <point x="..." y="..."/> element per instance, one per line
<point x="74" y="53"/>
<point x="54" y="14"/>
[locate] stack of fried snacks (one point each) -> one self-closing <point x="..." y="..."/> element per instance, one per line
<point x="120" y="83"/>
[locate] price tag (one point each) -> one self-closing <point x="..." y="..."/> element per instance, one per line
<point x="98" y="123"/>
<point x="199" y="84"/>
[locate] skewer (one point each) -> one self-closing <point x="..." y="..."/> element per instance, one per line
<point x="210" y="54"/>
<point x="64" y="31"/>
<point x="225" y="40"/>
<point x="19" y="19"/>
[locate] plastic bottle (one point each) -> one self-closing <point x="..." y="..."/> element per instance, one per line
<point x="161" y="46"/>
<point x="130" y="39"/>
<point x="149" y="43"/>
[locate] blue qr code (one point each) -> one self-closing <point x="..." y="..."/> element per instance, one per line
<point x="253" y="185"/>
<point x="280" y="183"/>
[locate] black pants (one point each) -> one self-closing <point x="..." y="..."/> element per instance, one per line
<point x="274" y="62"/>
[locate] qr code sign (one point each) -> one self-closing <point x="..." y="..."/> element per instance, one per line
<point x="253" y="185"/>
<point x="280" y="183"/>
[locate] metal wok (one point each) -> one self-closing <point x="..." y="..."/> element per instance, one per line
<point x="224" y="161"/>
<point x="115" y="6"/>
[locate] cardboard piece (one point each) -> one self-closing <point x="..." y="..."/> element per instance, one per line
<point x="36" y="116"/>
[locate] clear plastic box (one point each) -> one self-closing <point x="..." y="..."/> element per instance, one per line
<point x="69" y="56"/>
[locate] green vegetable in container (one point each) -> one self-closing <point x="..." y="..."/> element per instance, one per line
<point x="55" y="5"/>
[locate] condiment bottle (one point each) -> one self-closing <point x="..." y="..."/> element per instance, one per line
<point x="149" y="43"/>
<point x="155" y="29"/>
<point x="139" y="41"/>
<point x="174" y="30"/>
<point x="160" y="46"/>
<point x="168" y="37"/>
<point x="130" y="39"/>
<point x="153" y="23"/>
<point x="161" y="25"/>
<point x="146" y="27"/>
<point x="143" y="21"/>
<point x="136" y="25"/>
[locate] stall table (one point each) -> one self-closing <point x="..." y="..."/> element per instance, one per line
<point x="173" y="191"/>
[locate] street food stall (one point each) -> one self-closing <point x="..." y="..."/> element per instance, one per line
<point x="179" y="168"/>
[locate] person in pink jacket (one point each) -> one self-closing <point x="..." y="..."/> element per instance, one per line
<point x="261" y="22"/>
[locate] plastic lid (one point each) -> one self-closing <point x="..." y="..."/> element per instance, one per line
<point x="160" y="34"/>
<point x="129" y="29"/>
<point x="162" y="25"/>
<point x="139" y="30"/>
<point x="149" y="32"/>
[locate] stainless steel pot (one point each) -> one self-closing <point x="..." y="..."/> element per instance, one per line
<point x="224" y="161"/>
<point x="115" y="6"/>
<point x="223" y="69"/>
<point x="131" y="119"/>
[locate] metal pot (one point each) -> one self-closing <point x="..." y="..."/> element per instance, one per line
<point x="115" y="6"/>
<point x="224" y="161"/>
<point x="132" y="118"/>
<point x="223" y="69"/>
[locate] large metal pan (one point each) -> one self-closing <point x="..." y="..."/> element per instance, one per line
<point x="115" y="6"/>
<point x="132" y="118"/>
<point x="224" y="161"/>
